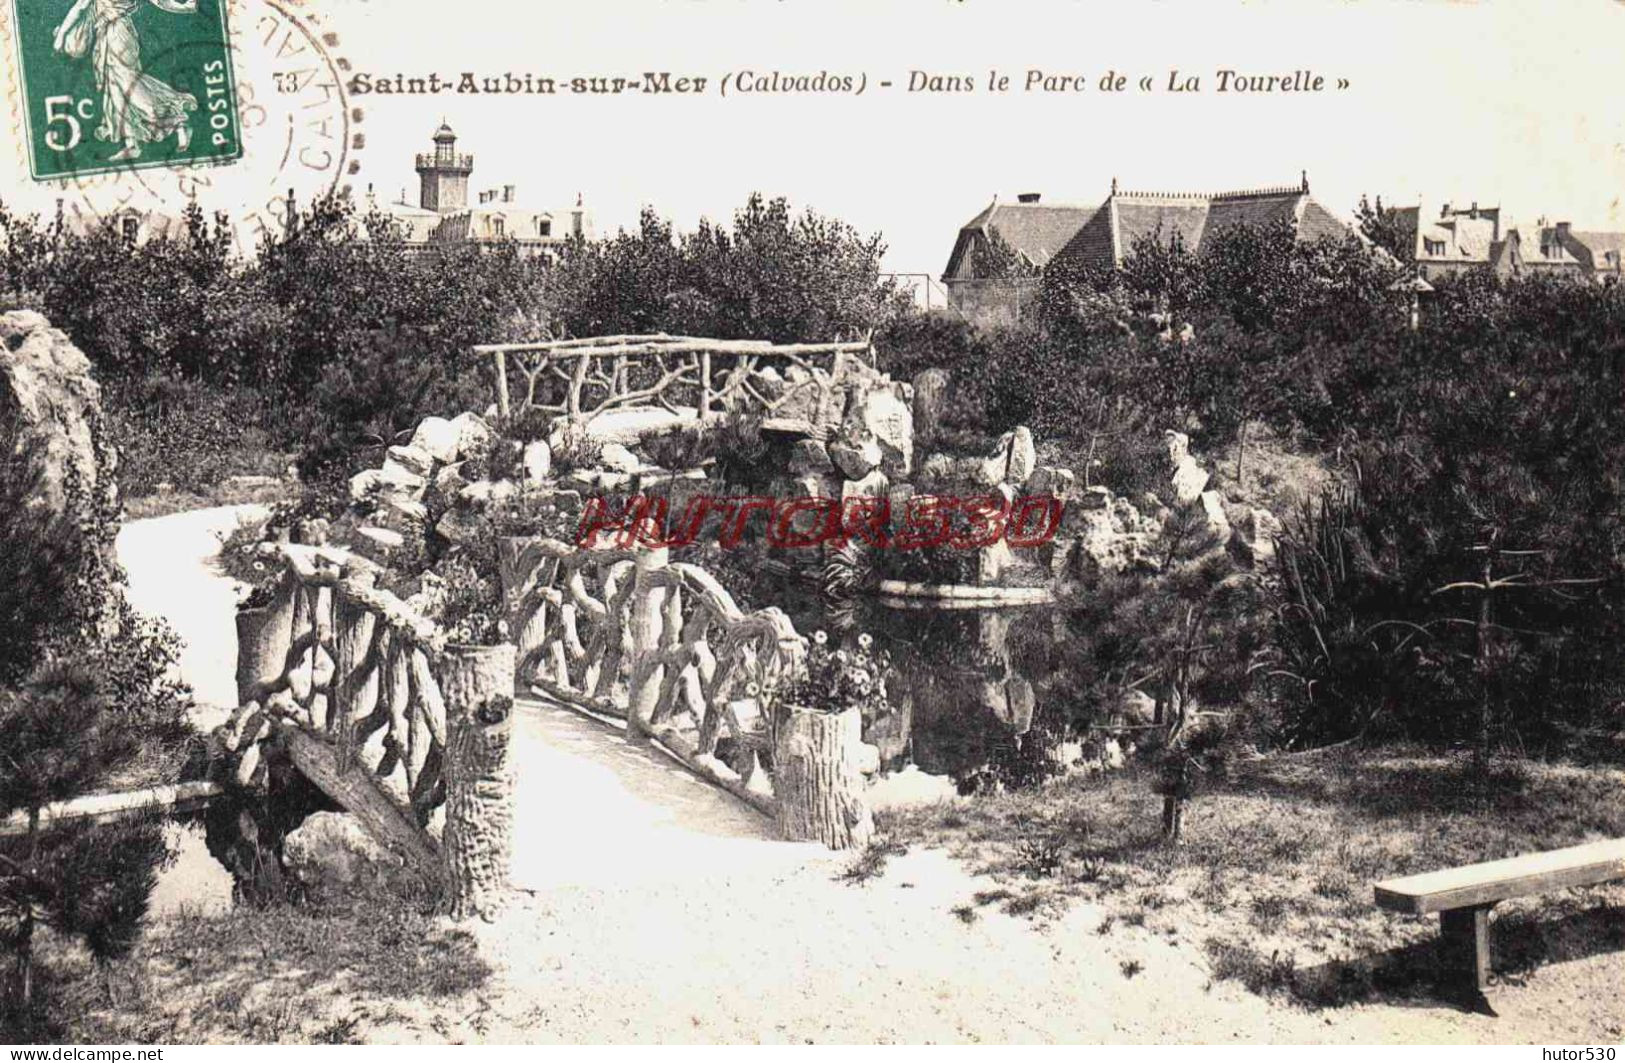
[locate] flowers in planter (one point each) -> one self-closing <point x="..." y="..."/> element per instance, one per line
<point x="836" y="678"/>
<point x="468" y="605"/>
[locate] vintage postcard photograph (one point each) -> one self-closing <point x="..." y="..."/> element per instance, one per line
<point x="832" y="522"/>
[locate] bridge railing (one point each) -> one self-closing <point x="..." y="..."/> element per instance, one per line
<point x="583" y="379"/>
<point x="662" y="646"/>
<point x="374" y="705"/>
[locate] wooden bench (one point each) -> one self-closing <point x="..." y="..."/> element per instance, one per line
<point x="1463" y="896"/>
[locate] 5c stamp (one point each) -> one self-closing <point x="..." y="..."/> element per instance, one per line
<point x="125" y="84"/>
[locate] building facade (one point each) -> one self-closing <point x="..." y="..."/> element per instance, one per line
<point x="444" y="216"/>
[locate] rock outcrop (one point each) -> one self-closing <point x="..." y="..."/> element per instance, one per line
<point x="49" y="402"/>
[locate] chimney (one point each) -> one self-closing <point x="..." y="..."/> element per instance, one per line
<point x="575" y="217"/>
<point x="1473" y="211"/>
<point x="1029" y="197"/>
<point x="1444" y="211"/>
<point x="1563" y="228"/>
<point x="508" y="193"/>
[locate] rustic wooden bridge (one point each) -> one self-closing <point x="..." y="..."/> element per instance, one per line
<point x="411" y="732"/>
<point x="791" y="386"/>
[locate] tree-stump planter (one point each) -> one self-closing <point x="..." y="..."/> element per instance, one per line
<point x="476" y="847"/>
<point x="818" y="779"/>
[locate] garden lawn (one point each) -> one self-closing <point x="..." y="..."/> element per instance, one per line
<point x="1274" y="874"/>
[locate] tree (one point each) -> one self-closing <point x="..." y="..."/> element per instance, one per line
<point x="1381" y="225"/>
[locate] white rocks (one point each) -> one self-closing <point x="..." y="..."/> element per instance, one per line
<point x="881" y="416"/>
<point x="393" y="477"/>
<point x="487" y="492"/>
<point x="472" y="435"/>
<point x="1188" y="478"/>
<point x="331" y="851"/>
<point x="1218" y="522"/>
<point x="413" y="459"/>
<point x="48" y="394"/>
<point x="856" y="460"/>
<point x="437" y="438"/>
<point x="616" y="458"/>
<point x="875" y="485"/>
<point x="1021" y="456"/>
<point x="538" y="461"/>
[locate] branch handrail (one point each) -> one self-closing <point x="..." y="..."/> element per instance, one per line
<point x="674" y="362"/>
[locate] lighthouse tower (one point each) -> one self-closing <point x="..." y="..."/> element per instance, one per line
<point x="444" y="174"/>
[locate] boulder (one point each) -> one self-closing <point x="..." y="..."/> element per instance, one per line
<point x="463" y="526"/>
<point x="1188" y="478"/>
<point x="1255" y="533"/>
<point x="1218" y="522"/>
<point x="473" y="435"/>
<point x="393" y="478"/>
<point x="437" y="438"/>
<point x="1115" y="537"/>
<point x="879" y="414"/>
<point x="538" y="461"/>
<point x="413" y="459"/>
<point x="875" y="485"/>
<point x="331" y="852"/>
<point x="930" y="404"/>
<point x="992" y="562"/>
<point x="486" y="492"/>
<point x="48" y="398"/>
<point x="809" y="457"/>
<point x="449" y="479"/>
<point x="856" y="459"/>
<point x="1050" y="480"/>
<point x="1021" y="455"/>
<point x="616" y="458"/>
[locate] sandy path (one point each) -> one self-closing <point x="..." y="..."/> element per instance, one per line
<point x="653" y="907"/>
<point x="171" y="563"/>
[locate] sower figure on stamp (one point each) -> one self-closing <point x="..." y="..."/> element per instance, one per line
<point x="137" y="108"/>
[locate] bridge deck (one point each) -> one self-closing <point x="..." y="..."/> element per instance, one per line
<point x="594" y="809"/>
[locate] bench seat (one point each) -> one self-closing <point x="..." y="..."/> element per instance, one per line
<point x="1499" y="880"/>
<point x="1463" y="896"/>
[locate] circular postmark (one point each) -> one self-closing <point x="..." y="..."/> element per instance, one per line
<point x="272" y="127"/>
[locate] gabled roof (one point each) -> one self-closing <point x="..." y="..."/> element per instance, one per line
<point x="1128" y="217"/>
<point x="1600" y="241"/>
<point x="1036" y="231"/>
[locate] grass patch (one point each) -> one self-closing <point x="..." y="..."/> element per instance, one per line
<point x="871" y="863"/>
<point x="284" y="974"/>
<point x="1278" y="860"/>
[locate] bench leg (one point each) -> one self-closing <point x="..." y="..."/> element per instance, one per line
<point x="1464" y="935"/>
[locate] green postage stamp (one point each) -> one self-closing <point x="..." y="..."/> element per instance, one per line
<point x="122" y="84"/>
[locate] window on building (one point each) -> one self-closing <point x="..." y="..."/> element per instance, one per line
<point x="499" y="226"/>
<point x="544" y="227"/>
<point x="131" y="228"/>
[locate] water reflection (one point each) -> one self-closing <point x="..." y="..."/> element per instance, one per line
<point x="986" y="697"/>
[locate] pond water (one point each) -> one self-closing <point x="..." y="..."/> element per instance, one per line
<point x="195" y="880"/>
<point x="981" y="697"/>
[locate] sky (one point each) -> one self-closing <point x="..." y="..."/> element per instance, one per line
<point x="1513" y="103"/>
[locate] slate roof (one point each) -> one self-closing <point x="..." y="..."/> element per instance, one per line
<point x="1127" y="217"/>
<point x="1037" y="231"/>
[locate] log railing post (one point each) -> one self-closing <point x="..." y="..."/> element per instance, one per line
<point x="518" y="562"/>
<point x="647" y="606"/>
<point x="476" y="845"/>
<point x="264" y="637"/>
<point x="705" y="384"/>
<point x="500" y="363"/>
<point x="356" y="674"/>
<point x="817" y="778"/>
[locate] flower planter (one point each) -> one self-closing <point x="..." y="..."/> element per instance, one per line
<point x="818" y="777"/>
